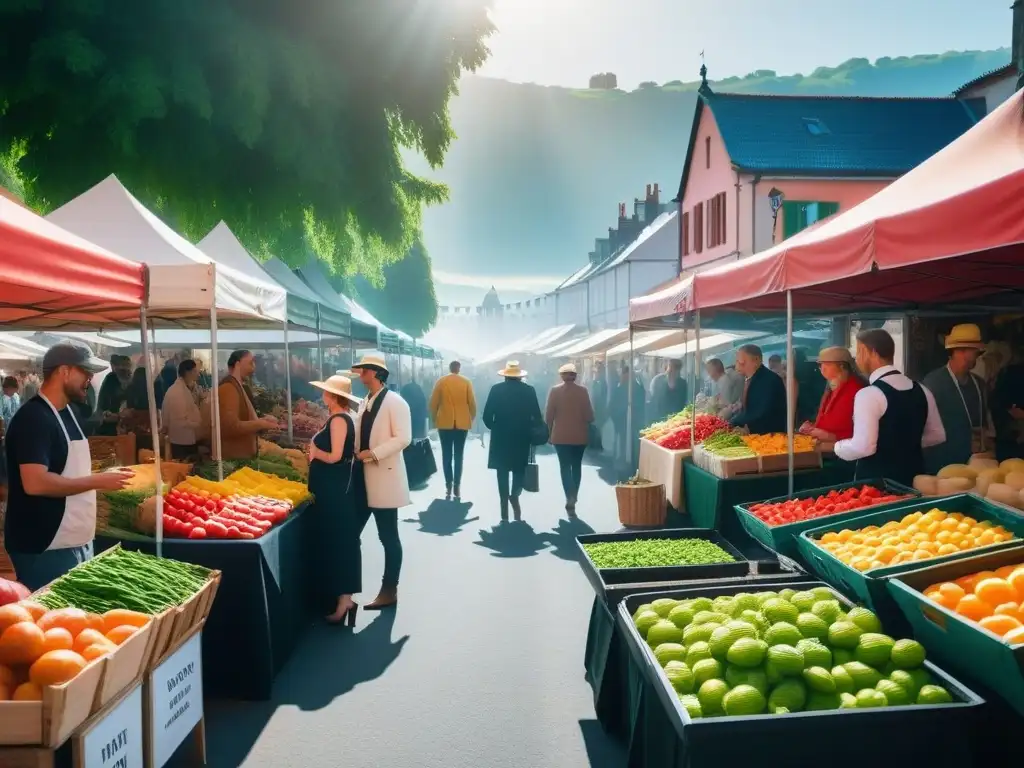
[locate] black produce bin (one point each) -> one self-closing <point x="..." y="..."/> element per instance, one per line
<point x="667" y="737"/>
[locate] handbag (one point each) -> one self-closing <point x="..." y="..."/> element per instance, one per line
<point x="531" y="477"/>
<point x="538" y="433"/>
<point x="420" y="463"/>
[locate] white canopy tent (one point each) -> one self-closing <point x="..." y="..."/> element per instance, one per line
<point x="708" y="343"/>
<point x="648" y="340"/>
<point x="13" y="347"/>
<point x="527" y="344"/>
<point x="593" y="344"/>
<point x="554" y="350"/>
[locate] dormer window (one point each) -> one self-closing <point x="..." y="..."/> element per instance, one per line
<point x="815" y="127"/>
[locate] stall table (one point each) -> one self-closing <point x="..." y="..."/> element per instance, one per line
<point x="263" y="605"/>
<point x="710" y="499"/>
<point x="660" y="465"/>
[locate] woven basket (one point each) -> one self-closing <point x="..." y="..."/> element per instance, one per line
<point x="641" y="506"/>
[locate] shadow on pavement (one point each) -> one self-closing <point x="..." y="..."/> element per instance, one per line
<point x="444" y="518"/>
<point x="563" y="538"/>
<point x="515" y="539"/>
<point x="602" y="750"/>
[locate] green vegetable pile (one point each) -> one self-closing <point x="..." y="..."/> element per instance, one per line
<point x="652" y="553"/>
<point x="726" y="443"/>
<point x="273" y="466"/>
<point x="124" y="579"/>
<point x="123" y="505"/>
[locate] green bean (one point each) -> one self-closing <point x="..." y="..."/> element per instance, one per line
<point x="648" y="553"/>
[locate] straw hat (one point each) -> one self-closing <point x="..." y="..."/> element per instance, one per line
<point x="567" y="368"/>
<point x="512" y="370"/>
<point x="965" y="336"/>
<point x="835" y="355"/>
<point x="371" y="361"/>
<point x="337" y="385"/>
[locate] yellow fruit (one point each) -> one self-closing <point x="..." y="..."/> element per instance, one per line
<point x="830" y="538"/>
<point x="922" y="554"/>
<point x="861" y="564"/>
<point x="948" y="549"/>
<point x="958" y="516"/>
<point x="969" y="521"/>
<point x="949" y="524"/>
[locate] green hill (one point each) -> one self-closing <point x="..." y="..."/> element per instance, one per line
<point x="537" y="172"/>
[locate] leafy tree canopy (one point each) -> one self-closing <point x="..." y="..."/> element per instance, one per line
<point x="284" y="119"/>
<point x="406" y="300"/>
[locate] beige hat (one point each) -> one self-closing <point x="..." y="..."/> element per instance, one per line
<point x="371" y="361"/>
<point x="567" y="368"/>
<point x="835" y="355"/>
<point x="337" y="385"/>
<point x="965" y="336"/>
<point x="512" y="370"/>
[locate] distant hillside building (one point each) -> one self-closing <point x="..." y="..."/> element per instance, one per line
<point x="759" y="169"/>
<point x="997" y="86"/>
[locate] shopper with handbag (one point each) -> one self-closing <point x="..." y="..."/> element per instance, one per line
<point x="513" y="415"/>
<point x="569" y="415"/>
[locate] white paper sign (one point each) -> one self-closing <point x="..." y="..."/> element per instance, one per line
<point x="176" y="698"/>
<point x="116" y="740"/>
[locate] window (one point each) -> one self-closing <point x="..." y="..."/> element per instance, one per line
<point x="684" y="234"/>
<point x="798" y="215"/>
<point x="716" y="224"/>
<point x="707" y="152"/>
<point x="698" y="227"/>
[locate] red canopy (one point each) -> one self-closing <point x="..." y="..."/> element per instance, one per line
<point x="50" y="278"/>
<point x="949" y="231"/>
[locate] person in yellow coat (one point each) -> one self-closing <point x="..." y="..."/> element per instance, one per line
<point x="453" y="409"/>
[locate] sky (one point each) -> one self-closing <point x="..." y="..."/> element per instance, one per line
<point x="563" y="42"/>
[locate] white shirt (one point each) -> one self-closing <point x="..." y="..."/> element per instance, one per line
<point x="869" y="406"/>
<point x="180" y="414"/>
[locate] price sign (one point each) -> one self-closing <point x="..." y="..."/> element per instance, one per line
<point x="176" y="699"/>
<point x="115" y="741"/>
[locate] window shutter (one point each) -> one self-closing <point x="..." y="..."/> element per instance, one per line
<point x="698" y="227"/>
<point x="827" y="209"/>
<point x="684" y="233"/>
<point x="723" y="218"/>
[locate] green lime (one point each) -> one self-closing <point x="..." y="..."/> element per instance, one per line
<point x="726" y="605"/>
<point x="645" y="621"/>
<point x="804" y="600"/>
<point x="823" y="593"/>
<point x="906" y="681"/>
<point x="844" y="634"/>
<point x="692" y="706"/>
<point x="812" y="626"/>
<point x="664" y="632"/>
<point x="711" y="695"/>
<point x="863" y="675"/>
<point x="681" y="615"/>
<point x="869" y="697"/>
<point x="747" y="652"/>
<point x="781" y="711"/>
<point x="819" y="680"/>
<point x="922" y="677"/>
<point x="641" y="609"/>
<point x="772" y="672"/>
<point x="758" y="678"/>
<point x="816" y="654"/>
<point x="782" y="633"/>
<point x="864" y="619"/>
<point x="698" y="632"/>
<point x="895" y="693"/>
<point x="700" y="604"/>
<point x="933" y="694"/>
<point x="791" y="694"/>
<point x="743" y="700"/>
<point x="827" y="610"/>
<point x="843" y="679"/>
<point x="907" y="654"/>
<point x="706" y="669"/>
<point x="841" y="655"/>
<point x="667" y="652"/>
<point x="873" y="649"/>
<point x="680" y="676"/>
<point x="697" y="651"/>
<point x="848" y="701"/>
<point x="786" y="659"/>
<point x="777" y="609"/>
<point x="762" y="597"/>
<point x="663" y="605"/>
<point x="787" y="594"/>
<point x="819" y="702"/>
<point x="747" y="601"/>
<point x="710" y="617"/>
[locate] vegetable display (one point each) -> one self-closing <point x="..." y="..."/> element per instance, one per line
<point x="728" y="444"/>
<point x="777" y="443"/>
<point x="831" y="503"/>
<point x="125" y="579"/>
<point x="203" y="515"/>
<point x="990" y="599"/>
<point x="776" y="653"/>
<point x="918" y="536"/>
<point x="680" y="438"/>
<point x="124" y="504"/>
<point x="248" y="481"/>
<point x="271" y="465"/>
<point x="650" y="553"/>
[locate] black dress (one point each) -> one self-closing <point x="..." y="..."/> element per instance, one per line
<point x="339" y="560"/>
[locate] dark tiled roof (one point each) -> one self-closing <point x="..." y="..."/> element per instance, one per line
<point x="836" y="136"/>
<point x="1007" y="71"/>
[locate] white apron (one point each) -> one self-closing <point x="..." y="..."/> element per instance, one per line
<point x="78" y="528"/>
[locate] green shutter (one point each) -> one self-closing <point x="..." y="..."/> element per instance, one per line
<point x="827" y="209"/>
<point x="794" y="217"/>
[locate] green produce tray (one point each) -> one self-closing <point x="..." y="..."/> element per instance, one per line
<point x="911" y="735"/>
<point x="869" y="586"/>
<point x="960" y="644"/>
<point x="782" y="538"/>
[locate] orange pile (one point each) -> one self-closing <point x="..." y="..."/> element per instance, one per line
<point x="991" y="599"/>
<point x="40" y="647"/>
<point x="777" y="443"/>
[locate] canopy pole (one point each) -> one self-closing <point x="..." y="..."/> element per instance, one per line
<point x="696" y="371"/>
<point x="319" y="344"/>
<point x="790" y="372"/>
<point x="155" y="352"/>
<point x="288" y="381"/>
<point x="351" y="349"/>
<point x="215" y="394"/>
<point x="629" y="405"/>
<point x="155" y="427"/>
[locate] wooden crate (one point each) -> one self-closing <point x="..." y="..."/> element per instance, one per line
<point x="175" y="625"/>
<point x="123" y="447"/>
<point x="780" y="462"/>
<point x="725" y="467"/>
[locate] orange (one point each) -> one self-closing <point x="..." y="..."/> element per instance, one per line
<point x="36" y="609"/>
<point x="21" y="643"/>
<point x="72" y="619"/>
<point x="948" y="549"/>
<point x="972" y="607"/>
<point x="1016" y="579"/>
<point x="95" y="621"/>
<point x="56" y="668"/>
<point x="94" y="652"/>
<point x="1014" y="636"/>
<point x="995" y="591"/>
<point x="1008" y="609"/>
<point x="57" y="639"/>
<point x="1000" y="625"/>
<point x="86" y="638"/>
<point x="1005" y="571"/>
<point x="120" y="617"/>
<point x="12" y="614"/>
<point x="27" y="692"/>
<point x="7" y="676"/>
<point x="122" y="633"/>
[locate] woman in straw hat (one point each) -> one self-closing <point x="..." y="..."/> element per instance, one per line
<point x="835" y="414"/>
<point x="512" y="413"/>
<point x="331" y="462"/>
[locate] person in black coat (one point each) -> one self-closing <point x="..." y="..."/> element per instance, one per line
<point x="512" y="413"/>
<point x="413" y="394"/>
<point x="763" y="407"/>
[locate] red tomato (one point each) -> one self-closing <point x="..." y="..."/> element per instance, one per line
<point x="216" y="529"/>
<point x="197" y="533"/>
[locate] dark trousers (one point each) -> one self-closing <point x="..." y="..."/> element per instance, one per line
<point x="453" y="443"/>
<point x="38" y="570"/>
<point x="504" y="492"/>
<point x="184" y="451"/>
<point x="387" y="532"/>
<point x="570" y="464"/>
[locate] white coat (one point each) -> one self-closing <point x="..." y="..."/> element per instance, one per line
<point x="387" y="486"/>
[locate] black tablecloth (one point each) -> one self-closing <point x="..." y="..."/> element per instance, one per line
<point x="262" y="608"/>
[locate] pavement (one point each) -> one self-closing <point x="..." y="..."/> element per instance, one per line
<point x="481" y="664"/>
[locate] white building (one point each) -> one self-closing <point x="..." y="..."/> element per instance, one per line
<point x="1000" y="84"/>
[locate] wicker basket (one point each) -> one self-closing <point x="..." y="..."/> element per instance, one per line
<point x="641" y="506"/>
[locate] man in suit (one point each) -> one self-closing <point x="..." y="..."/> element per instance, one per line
<point x="763" y="406"/>
<point x="384" y="431"/>
<point x="453" y="409"/>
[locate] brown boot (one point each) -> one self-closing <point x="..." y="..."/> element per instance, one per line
<point x="386" y="598"/>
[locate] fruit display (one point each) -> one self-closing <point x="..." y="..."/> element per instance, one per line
<point x="917" y="536"/>
<point x="993" y="600"/>
<point x="272" y="465"/>
<point x="42" y="647"/>
<point x="727" y="444"/>
<point x="12" y="591"/>
<point x="832" y="503"/>
<point x="653" y="553"/>
<point x="683" y="437"/>
<point x="248" y="481"/>
<point x="1001" y="482"/>
<point x="777" y="444"/>
<point x="271" y="451"/>
<point x="664" y="427"/>
<point x="202" y="515"/>
<point x="775" y="653"/>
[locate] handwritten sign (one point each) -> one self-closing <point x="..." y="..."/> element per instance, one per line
<point x="176" y="699"/>
<point x="116" y="740"/>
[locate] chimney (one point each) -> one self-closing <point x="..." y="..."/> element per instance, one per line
<point x="656" y="193"/>
<point x="648" y="190"/>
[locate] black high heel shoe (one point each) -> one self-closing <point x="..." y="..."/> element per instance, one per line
<point x="348" y="618"/>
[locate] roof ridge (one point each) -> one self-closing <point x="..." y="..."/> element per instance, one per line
<point x="823" y="97"/>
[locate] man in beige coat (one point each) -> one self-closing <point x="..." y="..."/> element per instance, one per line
<point x="569" y="416"/>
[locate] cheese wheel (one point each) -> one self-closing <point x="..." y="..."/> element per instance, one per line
<point x="958" y="470"/>
<point x="1004" y="494"/>
<point x="1015" y="480"/>
<point x="926" y="485"/>
<point x="947" y="486"/>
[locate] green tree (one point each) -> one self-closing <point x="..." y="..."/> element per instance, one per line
<point x="287" y="121"/>
<point x="404" y="299"/>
